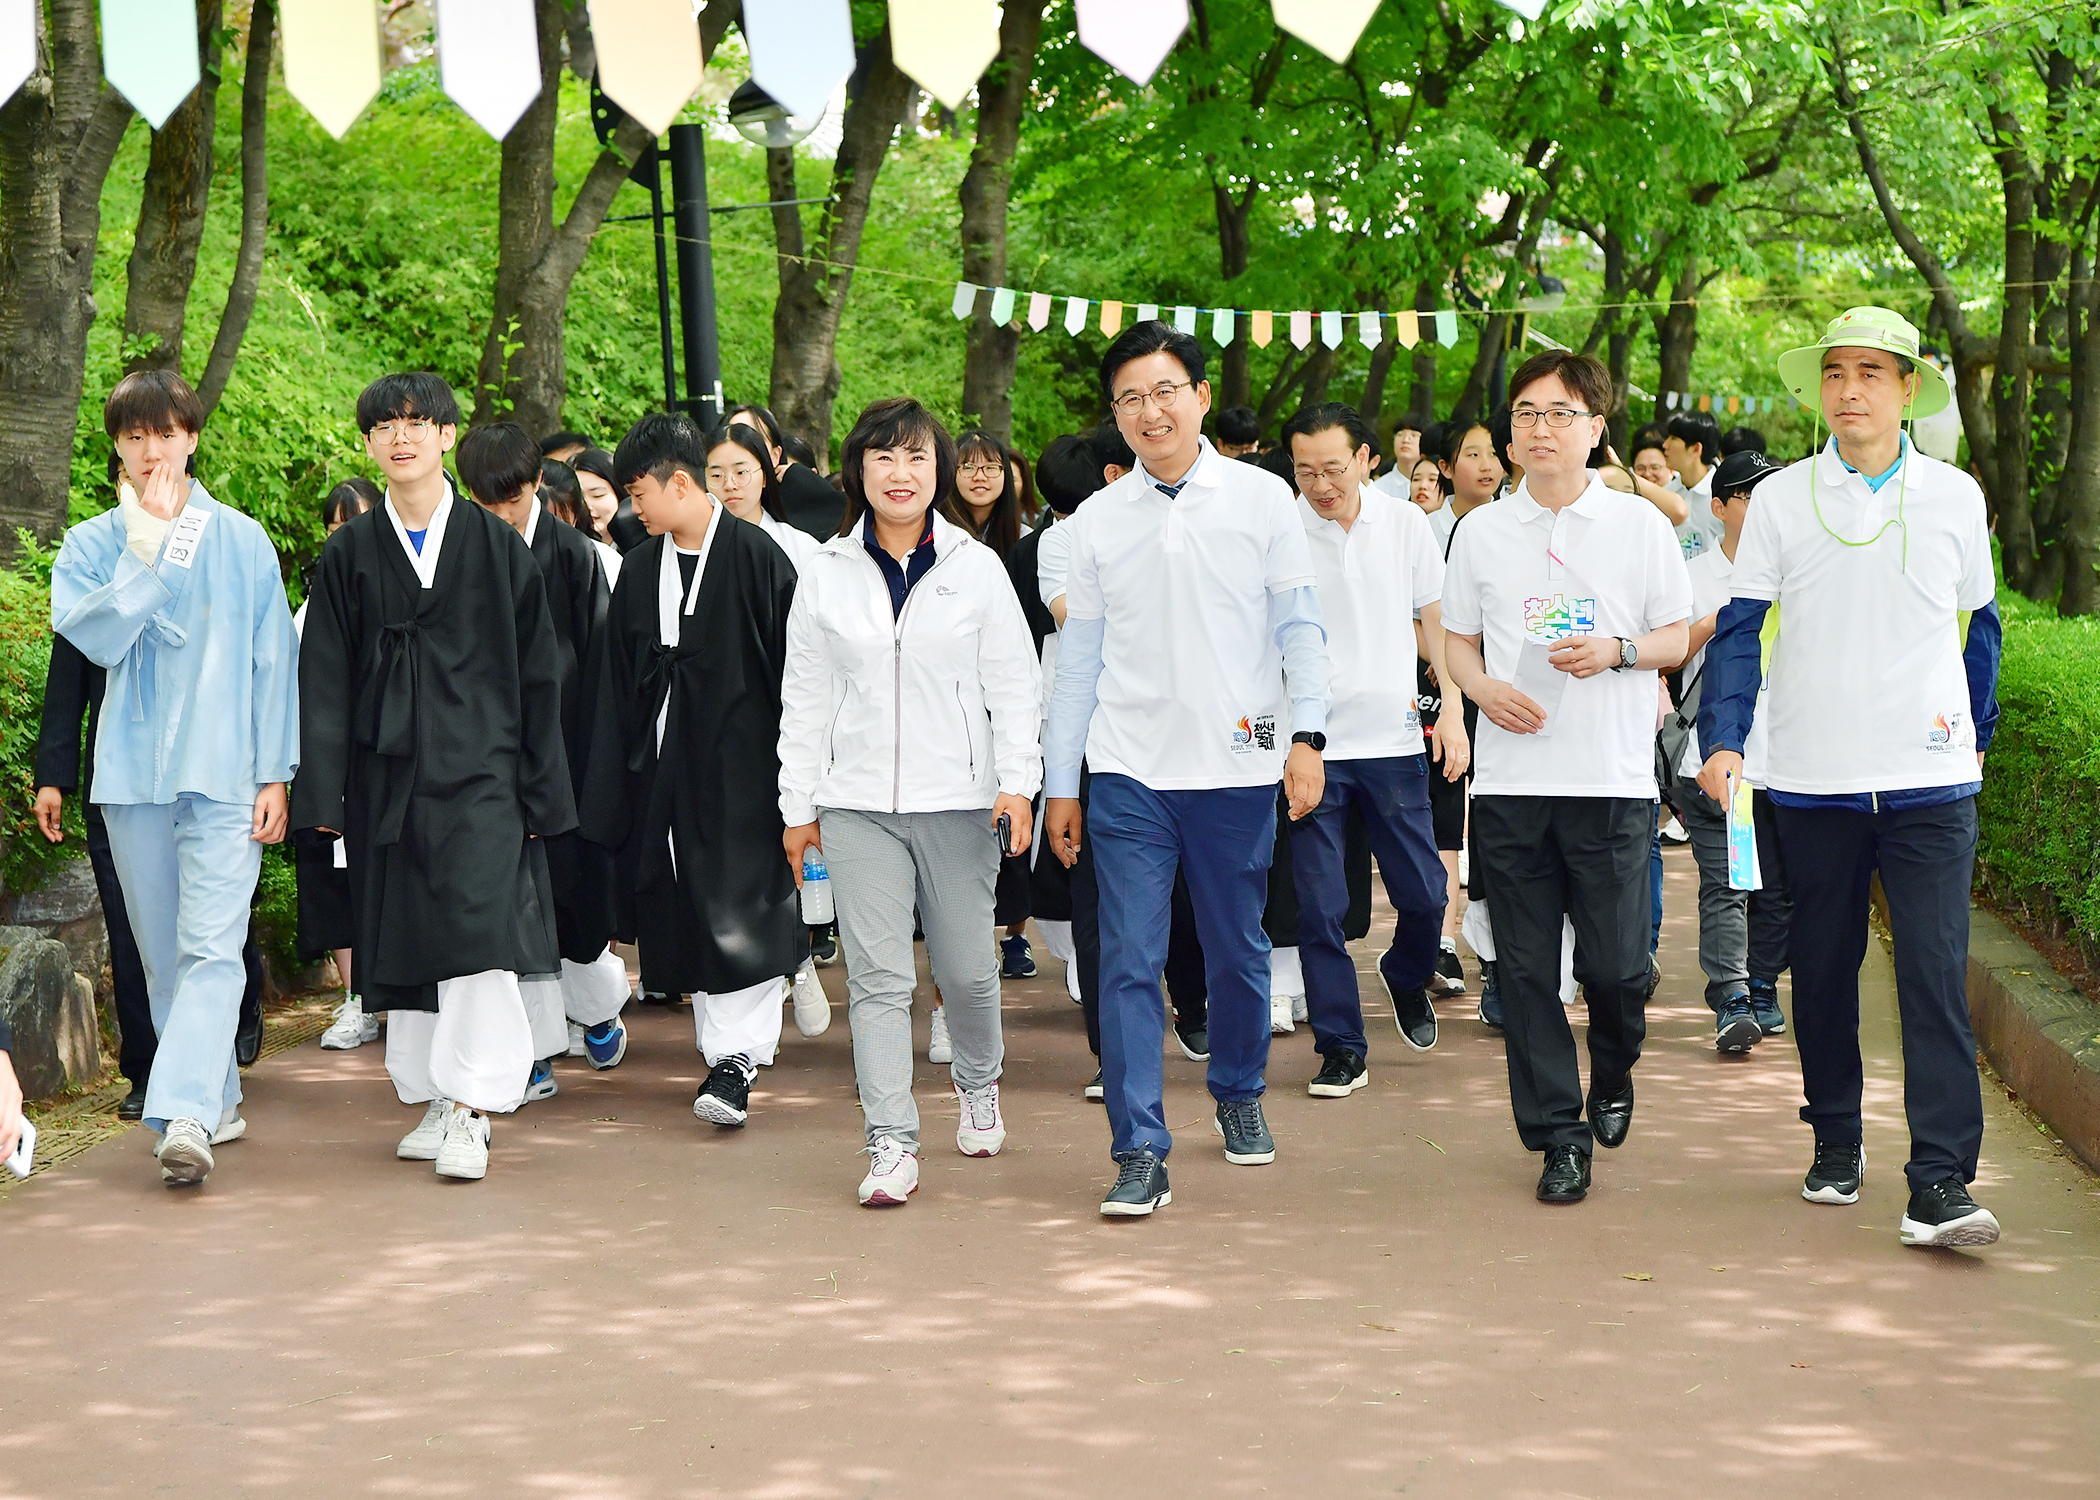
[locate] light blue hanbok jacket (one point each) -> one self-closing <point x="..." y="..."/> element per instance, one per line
<point x="203" y="689"/>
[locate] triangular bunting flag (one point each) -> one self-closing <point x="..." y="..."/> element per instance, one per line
<point x="801" y="50"/>
<point x="1332" y="26"/>
<point x="1447" y="326"/>
<point x="1002" y="306"/>
<point x="1147" y="312"/>
<point x="1734" y="405"/>
<point x="331" y="58"/>
<point x="1132" y="36"/>
<point x="1261" y="327"/>
<point x="1221" y="324"/>
<point x="1331" y="329"/>
<point x="965" y="299"/>
<point x="1301" y="329"/>
<point x="1038" y="310"/>
<point x="1706" y="403"/>
<point x="149" y="54"/>
<point x="648" y="57"/>
<point x="1111" y="318"/>
<point x="489" y="59"/>
<point x="944" y="45"/>
<point x="17" y="45"/>
<point x="1406" y="330"/>
<point x="1530" y="10"/>
<point x="1185" y="321"/>
<point x="1669" y="401"/>
<point x="1075" y="315"/>
<point x="1370" y="329"/>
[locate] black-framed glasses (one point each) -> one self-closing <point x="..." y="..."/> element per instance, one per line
<point x="1553" y="416"/>
<point x="1130" y="403"/>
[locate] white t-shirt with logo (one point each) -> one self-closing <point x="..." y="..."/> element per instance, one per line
<point x="1701" y="531"/>
<point x="1521" y="575"/>
<point x="1712" y="577"/>
<point x="1373" y="577"/>
<point x="1866" y="690"/>
<point x="1191" y="692"/>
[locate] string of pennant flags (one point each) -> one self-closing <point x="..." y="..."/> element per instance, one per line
<point x="649" y="60"/>
<point x="1224" y="323"/>
<point x="1732" y="405"/>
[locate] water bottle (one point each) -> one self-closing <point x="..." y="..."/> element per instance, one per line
<point x="816" y="888"/>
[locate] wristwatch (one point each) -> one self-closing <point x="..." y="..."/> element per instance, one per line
<point x="1311" y="737"/>
<point x="1628" y="654"/>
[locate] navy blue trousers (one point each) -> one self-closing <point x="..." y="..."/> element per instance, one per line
<point x="1222" y="839"/>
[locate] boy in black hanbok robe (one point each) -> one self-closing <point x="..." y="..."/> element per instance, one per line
<point x="685" y="766"/>
<point x="432" y="727"/>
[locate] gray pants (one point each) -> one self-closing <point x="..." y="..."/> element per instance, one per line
<point x="881" y="864"/>
<point x="1742" y="934"/>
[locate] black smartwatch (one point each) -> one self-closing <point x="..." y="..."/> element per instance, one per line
<point x="1311" y="737"/>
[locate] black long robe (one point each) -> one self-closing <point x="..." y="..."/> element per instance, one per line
<point x="727" y="916"/>
<point x="577" y="599"/>
<point x="430" y="737"/>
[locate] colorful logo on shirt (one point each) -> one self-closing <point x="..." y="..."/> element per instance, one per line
<point x="1555" y="615"/>
<point x="1940" y="736"/>
<point x="1251" y="734"/>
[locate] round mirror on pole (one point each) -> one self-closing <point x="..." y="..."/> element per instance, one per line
<point x="763" y="121"/>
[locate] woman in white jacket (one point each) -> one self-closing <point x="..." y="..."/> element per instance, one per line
<point x="907" y="729"/>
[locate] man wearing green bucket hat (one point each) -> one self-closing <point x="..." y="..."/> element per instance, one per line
<point x="1880" y="701"/>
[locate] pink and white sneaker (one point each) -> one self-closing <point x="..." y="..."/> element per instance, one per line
<point x="983" y="1130"/>
<point x="893" y="1174"/>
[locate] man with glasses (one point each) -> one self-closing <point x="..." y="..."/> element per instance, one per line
<point x="1380" y="570"/>
<point x="1189" y="594"/>
<point x="1561" y="604"/>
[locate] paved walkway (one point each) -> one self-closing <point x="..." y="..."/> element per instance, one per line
<point x="634" y="1305"/>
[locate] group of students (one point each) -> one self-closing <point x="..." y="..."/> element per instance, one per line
<point x="1195" y="672"/>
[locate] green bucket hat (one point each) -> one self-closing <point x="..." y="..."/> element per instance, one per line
<point x="1801" y="370"/>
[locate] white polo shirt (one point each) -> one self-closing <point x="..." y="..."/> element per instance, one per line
<point x="1867" y="689"/>
<point x="1701" y="531"/>
<point x="1712" y="576"/>
<point x="1607" y="565"/>
<point x="1191" y="692"/>
<point x="1373" y="577"/>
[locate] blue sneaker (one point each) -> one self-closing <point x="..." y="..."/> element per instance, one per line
<point x="1764" y="1005"/>
<point x="1015" y="961"/>
<point x="604" y="1046"/>
<point x="1490" y="996"/>
<point x="540" y="1084"/>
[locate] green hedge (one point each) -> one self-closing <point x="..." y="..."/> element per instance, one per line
<point x="2040" y="809"/>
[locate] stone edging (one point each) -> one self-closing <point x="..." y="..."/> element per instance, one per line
<point x="2038" y="1032"/>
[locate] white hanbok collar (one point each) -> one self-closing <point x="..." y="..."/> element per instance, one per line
<point x="671" y="593"/>
<point x="425" y="562"/>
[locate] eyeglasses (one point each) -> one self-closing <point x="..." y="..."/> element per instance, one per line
<point x="1553" y="416"/>
<point x="1329" y="475"/>
<point x="1130" y="403"/>
<point x="981" y="471"/>
<point x="738" y="475"/>
<point x="412" y="429"/>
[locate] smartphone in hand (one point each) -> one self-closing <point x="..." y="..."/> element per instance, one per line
<point x="1006" y="833"/>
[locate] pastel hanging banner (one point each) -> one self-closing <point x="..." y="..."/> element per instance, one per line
<point x="1221" y="323"/>
<point x="648" y="57"/>
<point x="1530" y="10"/>
<point x="1331" y="329"/>
<point x="1111" y="318"/>
<point x="1406" y="330"/>
<point x="801" y="50"/>
<point x="1002" y="306"/>
<point x="1132" y="36"/>
<point x="149" y="54"/>
<point x="965" y="299"/>
<point x="1148" y="312"/>
<point x="1370" y="329"/>
<point x="1261" y="327"/>
<point x="1185" y="321"/>
<point x="1075" y="315"/>
<point x="1734" y="406"/>
<point x="17" y="45"/>
<point x="1706" y="403"/>
<point x="331" y="58"/>
<point x="1332" y="26"/>
<point x="1447" y="326"/>
<point x="1038" y="310"/>
<point x="1301" y="329"/>
<point x="489" y="59"/>
<point x="944" y="45"/>
<point x="1669" y="400"/>
<point x="1749" y="406"/>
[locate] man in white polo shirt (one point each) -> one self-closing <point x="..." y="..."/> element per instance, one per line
<point x="1879" y="706"/>
<point x="1579" y="594"/>
<point x="1692" y="447"/>
<point x="1379" y="567"/>
<point x="1190" y="591"/>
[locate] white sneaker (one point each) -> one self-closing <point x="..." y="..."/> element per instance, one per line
<point x="185" y="1153"/>
<point x="893" y="1174"/>
<point x="465" y="1152"/>
<point x="938" y="1047"/>
<point x="575" y="1039"/>
<point x="812" y="1005"/>
<point x="1281" y="1022"/>
<point x="231" y="1127"/>
<point x="1673" y="832"/>
<point x="351" y="1027"/>
<point x="983" y="1130"/>
<point x="1298" y="1009"/>
<point x="1072" y="983"/>
<point x="421" y="1144"/>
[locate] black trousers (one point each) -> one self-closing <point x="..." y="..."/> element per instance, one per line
<point x="1926" y="856"/>
<point x="1187" y="988"/>
<point x="127" y="972"/>
<point x="1539" y="857"/>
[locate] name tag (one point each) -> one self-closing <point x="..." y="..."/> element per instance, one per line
<point x="184" y="535"/>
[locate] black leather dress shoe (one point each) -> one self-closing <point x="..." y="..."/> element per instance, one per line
<point x="1567" y="1176"/>
<point x="248" y="1038"/>
<point x="133" y="1104"/>
<point x="1611" y="1113"/>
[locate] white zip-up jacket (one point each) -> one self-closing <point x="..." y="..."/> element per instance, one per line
<point x="928" y="711"/>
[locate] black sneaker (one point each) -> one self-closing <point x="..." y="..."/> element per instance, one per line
<point x="1944" y="1216"/>
<point x="1764" y="1005"/>
<point x="658" y="997"/>
<point x="1450" y="973"/>
<point x="1490" y="996"/>
<point x="1141" y="1186"/>
<point x="1835" y="1176"/>
<point x="725" y="1099"/>
<point x="1735" y="1030"/>
<point x="1094" y="1089"/>
<point x="824" y="947"/>
<point x="1655" y="975"/>
<point x="1194" y="1042"/>
<point x="1015" y="959"/>
<point x="1567" y="1176"/>
<point x="1341" y="1074"/>
<point x="1412" y="1012"/>
<point x="1247" y="1139"/>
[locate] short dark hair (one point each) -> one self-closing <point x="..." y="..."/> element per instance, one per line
<point x="1111" y="448"/>
<point x="563" y="497"/>
<point x="1584" y="375"/>
<point x="1150" y="337"/>
<point x="497" y="461"/>
<point x="899" y="422"/>
<point x="1276" y="461"/>
<point x="1700" y="428"/>
<point x="1411" y="423"/>
<point x="1067" y="473"/>
<point x="154" y="399"/>
<point x="1742" y="440"/>
<point x="753" y="443"/>
<point x="595" y="461"/>
<point x="410" y="393"/>
<point x="793" y="445"/>
<point x="1239" y="425"/>
<point x="353" y="497"/>
<point x="1324" y="417"/>
<point x="563" y="439"/>
<point x="657" y="445"/>
<point x="1650" y="436"/>
<point x="765" y="419"/>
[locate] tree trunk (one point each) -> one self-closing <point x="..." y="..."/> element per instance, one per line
<point x="1002" y="95"/>
<point x="171" y="216"/>
<point x="1372" y="406"/>
<point x="1676" y="334"/>
<point x="2081" y="473"/>
<point x="814" y="284"/>
<point x="1236" y="368"/>
<point x="255" y="209"/>
<point x="58" y="135"/>
<point x="1472" y="404"/>
<point x="1421" y="400"/>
